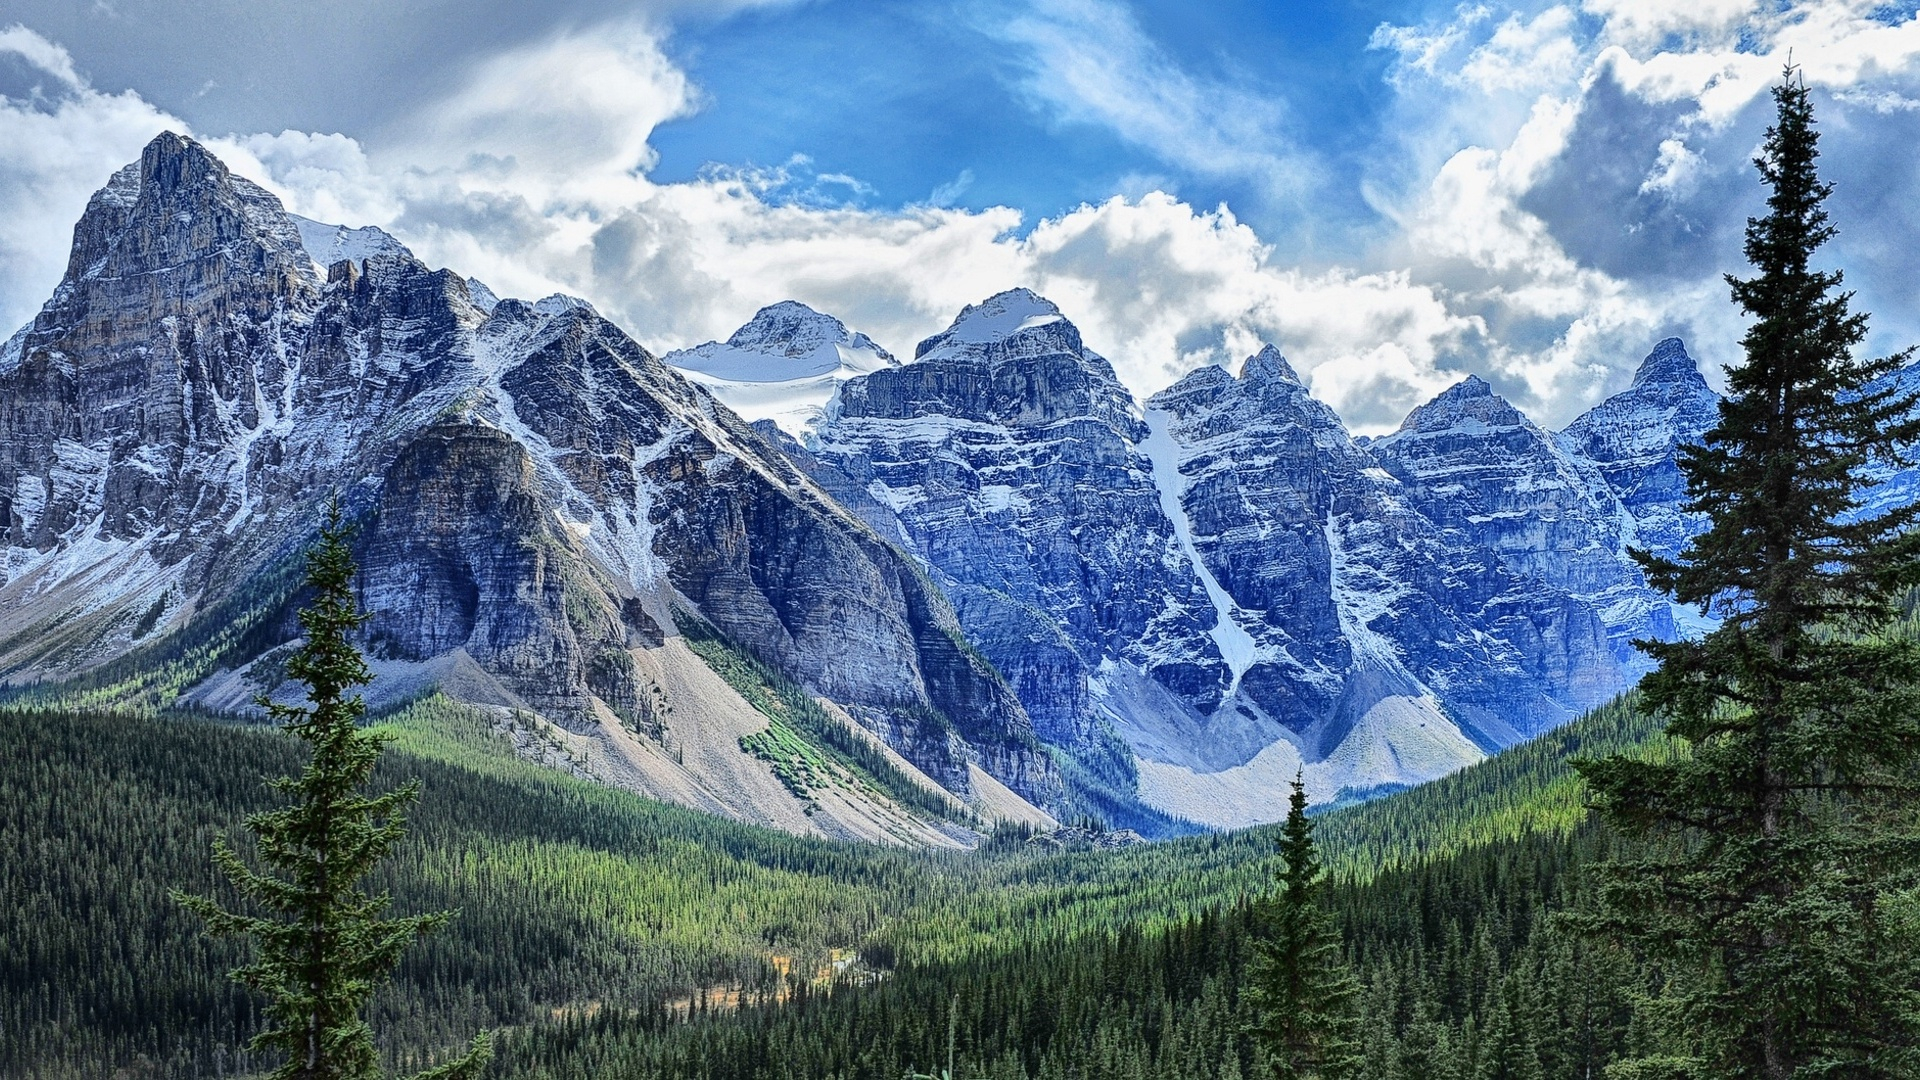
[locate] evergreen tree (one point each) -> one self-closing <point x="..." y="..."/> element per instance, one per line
<point x="1305" y="1000"/>
<point x="324" y="944"/>
<point x="1773" y="840"/>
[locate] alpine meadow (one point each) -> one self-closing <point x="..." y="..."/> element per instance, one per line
<point x="1301" y="611"/>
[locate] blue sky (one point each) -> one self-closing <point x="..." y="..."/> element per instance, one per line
<point x="925" y="101"/>
<point x="1396" y="194"/>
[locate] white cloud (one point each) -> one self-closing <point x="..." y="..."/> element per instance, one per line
<point x="532" y="174"/>
<point x="1651" y="22"/>
<point x="56" y="148"/>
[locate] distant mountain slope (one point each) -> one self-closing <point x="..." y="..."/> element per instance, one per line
<point x="1231" y="586"/>
<point x="1037" y="592"/>
<point x="541" y="499"/>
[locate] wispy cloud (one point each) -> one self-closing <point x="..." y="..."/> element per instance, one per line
<point x="1090" y="62"/>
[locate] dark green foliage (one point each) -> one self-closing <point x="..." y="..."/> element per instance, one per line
<point x="1464" y="975"/>
<point x="1780" y="847"/>
<point x="581" y="903"/>
<point x="324" y="945"/>
<point x="1302" y="994"/>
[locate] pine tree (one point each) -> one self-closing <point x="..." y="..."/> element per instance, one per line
<point x="324" y="944"/>
<point x="1305" y="999"/>
<point x="1774" y="839"/>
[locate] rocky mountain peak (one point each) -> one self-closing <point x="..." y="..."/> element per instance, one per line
<point x="1668" y="363"/>
<point x="1268" y="365"/>
<point x="174" y="162"/>
<point x="177" y="206"/>
<point x="996" y="319"/>
<point x="1466" y="403"/>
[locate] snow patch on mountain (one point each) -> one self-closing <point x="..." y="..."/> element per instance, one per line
<point x="784" y="365"/>
<point x="329" y="244"/>
<point x="1236" y="646"/>
<point x="997" y="318"/>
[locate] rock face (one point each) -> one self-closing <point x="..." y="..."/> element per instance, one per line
<point x="1228" y="583"/>
<point x="1476" y="467"/>
<point x="783" y="366"/>
<point x="1008" y="454"/>
<point x="1633" y="437"/>
<point x="992" y="560"/>
<point x="537" y="493"/>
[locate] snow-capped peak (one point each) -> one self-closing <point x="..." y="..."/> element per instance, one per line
<point x="328" y="244"/>
<point x="560" y="304"/>
<point x="1268" y="365"/>
<point x="782" y="342"/>
<point x="998" y="317"/>
<point x="1469" y="403"/>
<point x="784" y="365"/>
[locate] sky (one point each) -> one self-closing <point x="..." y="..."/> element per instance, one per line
<point x="1396" y="193"/>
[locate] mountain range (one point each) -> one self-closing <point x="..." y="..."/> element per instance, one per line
<point x="789" y="578"/>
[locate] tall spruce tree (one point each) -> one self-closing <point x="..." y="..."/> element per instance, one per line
<point x="1305" y="1000"/>
<point x="1776" y="843"/>
<point x="322" y="944"/>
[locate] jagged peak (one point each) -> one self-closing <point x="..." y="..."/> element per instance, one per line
<point x="996" y="318"/>
<point x="782" y="342"/>
<point x="171" y="160"/>
<point x="1667" y="363"/>
<point x="1269" y="365"/>
<point x="1469" y="401"/>
<point x="1206" y="375"/>
<point x="560" y="304"/>
<point x="182" y="202"/>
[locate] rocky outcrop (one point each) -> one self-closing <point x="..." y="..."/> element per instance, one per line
<point x="1008" y="454"/>
<point x="537" y="493"/>
<point x="1634" y="438"/>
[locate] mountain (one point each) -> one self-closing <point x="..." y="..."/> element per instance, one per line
<point x="1486" y="475"/>
<point x="784" y="365"/>
<point x="1633" y="439"/>
<point x="1006" y="454"/>
<point x="543" y="508"/>
<point x="907" y="598"/>
<point x="1223" y="587"/>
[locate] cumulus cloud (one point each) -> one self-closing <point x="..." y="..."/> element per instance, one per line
<point x="1589" y="202"/>
<point x="1571" y="183"/>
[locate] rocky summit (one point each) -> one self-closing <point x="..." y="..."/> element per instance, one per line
<point x="1023" y="592"/>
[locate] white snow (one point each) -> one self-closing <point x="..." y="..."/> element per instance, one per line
<point x="559" y="304"/>
<point x="1236" y="646"/>
<point x="328" y="244"/>
<point x="482" y="297"/>
<point x="998" y="317"/>
<point x="785" y="365"/>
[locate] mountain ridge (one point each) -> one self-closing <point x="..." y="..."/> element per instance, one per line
<point x="992" y="557"/>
